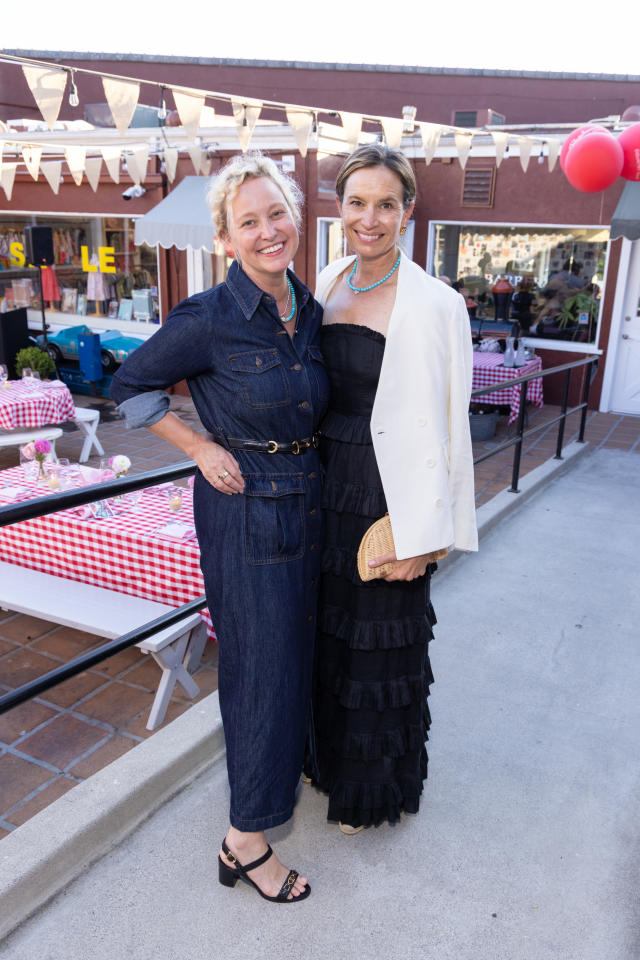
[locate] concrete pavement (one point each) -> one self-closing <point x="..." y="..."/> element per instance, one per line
<point x="526" y="846"/>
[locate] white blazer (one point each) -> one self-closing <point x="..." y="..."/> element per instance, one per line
<point x="420" y="417"/>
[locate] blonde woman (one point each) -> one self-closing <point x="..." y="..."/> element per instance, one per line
<point x="248" y="349"/>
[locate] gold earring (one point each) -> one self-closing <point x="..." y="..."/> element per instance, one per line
<point x="403" y="230"/>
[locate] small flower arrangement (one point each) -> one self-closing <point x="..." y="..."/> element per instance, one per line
<point x="120" y="464"/>
<point x="38" y="450"/>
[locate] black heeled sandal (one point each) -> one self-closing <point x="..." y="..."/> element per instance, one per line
<point x="229" y="876"/>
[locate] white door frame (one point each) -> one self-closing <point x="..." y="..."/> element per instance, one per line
<point x="195" y="272"/>
<point x="617" y="320"/>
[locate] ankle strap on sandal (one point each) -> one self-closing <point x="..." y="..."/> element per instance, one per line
<point x="245" y="868"/>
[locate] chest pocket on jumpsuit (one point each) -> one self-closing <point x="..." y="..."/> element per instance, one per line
<point x="274" y="517"/>
<point x="263" y="379"/>
<point x="319" y="373"/>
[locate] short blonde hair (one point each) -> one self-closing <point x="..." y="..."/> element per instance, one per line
<point x="249" y="166"/>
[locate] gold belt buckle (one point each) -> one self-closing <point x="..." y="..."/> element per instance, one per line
<point x="272" y="446"/>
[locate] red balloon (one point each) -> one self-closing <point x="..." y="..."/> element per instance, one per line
<point x="593" y="162"/>
<point x="574" y="135"/>
<point x="629" y="140"/>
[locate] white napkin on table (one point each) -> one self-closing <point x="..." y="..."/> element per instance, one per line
<point x="12" y="493"/>
<point x="176" y="531"/>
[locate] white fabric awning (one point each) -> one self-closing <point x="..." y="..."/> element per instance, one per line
<point x="182" y="219"/>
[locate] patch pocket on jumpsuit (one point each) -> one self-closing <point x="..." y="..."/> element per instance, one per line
<point x="274" y="517"/>
<point x="262" y="377"/>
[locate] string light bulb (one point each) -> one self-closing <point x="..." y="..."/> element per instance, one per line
<point x="162" y="106"/>
<point x="74" y="99"/>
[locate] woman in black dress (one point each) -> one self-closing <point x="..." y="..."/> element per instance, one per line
<point x="397" y="347"/>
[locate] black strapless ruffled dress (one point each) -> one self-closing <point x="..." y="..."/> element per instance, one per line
<point x="372" y="667"/>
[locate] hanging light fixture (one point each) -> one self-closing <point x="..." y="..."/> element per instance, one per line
<point x="74" y="99"/>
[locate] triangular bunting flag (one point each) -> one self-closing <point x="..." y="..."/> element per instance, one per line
<point x="47" y="86"/>
<point x="137" y="162"/>
<point x="189" y="107"/>
<point x="301" y="123"/>
<point x="52" y="170"/>
<point x="501" y="140"/>
<point x="246" y="112"/>
<point x="392" y="131"/>
<point x="75" y="157"/>
<point x="7" y="176"/>
<point x="31" y="156"/>
<point x="170" y="162"/>
<point x="352" y="125"/>
<point x="111" y="157"/>
<point x="92" y="169"/>
<point x="463" y="146"/>
<point x="525" y="145"/>
<point x="122" y="97"/>
<point x="195" y="152"/>
<point x="205" y="164"/>
<point x="553" y="147"/>
<point x="430" y="133"/>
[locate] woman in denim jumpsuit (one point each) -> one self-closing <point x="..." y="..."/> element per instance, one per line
<point x="255" y="376"/>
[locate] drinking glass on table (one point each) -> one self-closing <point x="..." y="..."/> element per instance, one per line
<point x="174" y="496"/>
<point x="26" y="374"/>
<point x="4" y="375"/>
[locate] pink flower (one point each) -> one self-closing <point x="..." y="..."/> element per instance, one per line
<point x="191" y="481"/>
<point x="42" y="446"/>
<point x="29" y="451"/>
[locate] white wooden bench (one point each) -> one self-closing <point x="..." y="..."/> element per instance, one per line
<point x="87" y="420"/>
<point x="17" y="438"/>
<point x="107" y="613"/>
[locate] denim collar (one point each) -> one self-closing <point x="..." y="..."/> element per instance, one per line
<point x="248" y="295"/>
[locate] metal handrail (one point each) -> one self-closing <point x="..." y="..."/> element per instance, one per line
<point x="52" y="503"/>
<point x="522" y="434"/>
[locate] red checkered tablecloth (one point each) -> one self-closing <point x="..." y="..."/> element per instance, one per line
<point x="123" y="552"/>
<point x="24" y="407"/>
<point x="488" y="368"/>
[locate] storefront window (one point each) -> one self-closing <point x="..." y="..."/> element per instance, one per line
<point x="98" y="272"/>
<point x="542" y="281"/>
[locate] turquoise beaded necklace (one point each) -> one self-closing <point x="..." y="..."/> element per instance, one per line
<point x="292" y="297"/>
<point x="372" y="285"/>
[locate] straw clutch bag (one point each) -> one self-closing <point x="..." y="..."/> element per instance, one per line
<point x="378" y="539"/>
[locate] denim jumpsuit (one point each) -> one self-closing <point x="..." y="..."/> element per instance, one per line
<point x="260" y="550"/>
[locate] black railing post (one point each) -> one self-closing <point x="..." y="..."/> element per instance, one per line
<point x="517" y="454"/>
<point x="589" y="371"/>
<point x="565" y="404"/>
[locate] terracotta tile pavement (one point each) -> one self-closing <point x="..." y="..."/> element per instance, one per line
<point x="57" y="740"/>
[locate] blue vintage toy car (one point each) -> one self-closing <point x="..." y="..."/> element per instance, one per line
<point x="115" y="347"/>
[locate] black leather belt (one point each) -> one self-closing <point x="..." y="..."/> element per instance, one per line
<point x="273" y="446"/>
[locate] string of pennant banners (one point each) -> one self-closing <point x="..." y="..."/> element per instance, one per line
<point x="48" y="84"/>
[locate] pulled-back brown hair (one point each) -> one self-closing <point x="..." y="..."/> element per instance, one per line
<point x="377" y="155"/>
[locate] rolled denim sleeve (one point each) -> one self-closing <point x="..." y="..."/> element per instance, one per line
<point x="144" y="409"/>
<point x="180" y="350"/>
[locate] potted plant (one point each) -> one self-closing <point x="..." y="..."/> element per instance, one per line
<point x="580" y="302"/>
<point x="35" y="359"/>
<point x="483" y="420"/>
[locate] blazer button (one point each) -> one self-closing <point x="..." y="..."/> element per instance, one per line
<point x="430" y="462"/>
<point x="439" y="502"/>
